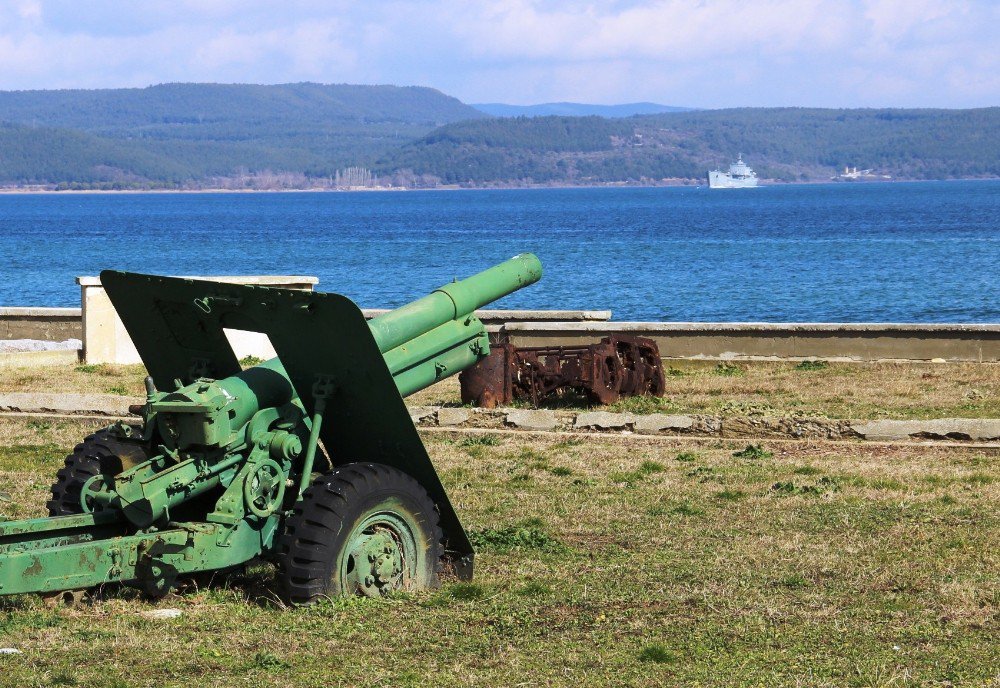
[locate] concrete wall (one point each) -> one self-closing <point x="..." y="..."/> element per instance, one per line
<point x="834" y="341"/>
<point x="46" y="324"/>
<point x="106" y="341"/>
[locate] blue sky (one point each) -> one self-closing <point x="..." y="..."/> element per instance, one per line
<point x="701" y="53"/>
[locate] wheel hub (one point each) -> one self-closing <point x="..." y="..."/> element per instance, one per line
<point x="378" y="562"/>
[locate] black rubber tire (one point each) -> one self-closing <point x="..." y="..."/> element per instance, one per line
<point x="317" y="533"/>
<point x="101" y="452"/>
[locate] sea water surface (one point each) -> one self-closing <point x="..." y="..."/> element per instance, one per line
<point x="904" y="252"/>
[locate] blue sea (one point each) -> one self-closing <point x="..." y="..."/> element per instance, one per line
<point x="906" y="252"/>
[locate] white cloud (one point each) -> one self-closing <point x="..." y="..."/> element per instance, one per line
<point x="706" y="53"/>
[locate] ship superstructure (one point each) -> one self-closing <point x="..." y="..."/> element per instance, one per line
<point x="740" y="176"/>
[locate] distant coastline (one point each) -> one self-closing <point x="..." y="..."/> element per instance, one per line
<point x="689" y="183"/>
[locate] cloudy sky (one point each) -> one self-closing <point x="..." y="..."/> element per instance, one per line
<point x="701" y="53"/>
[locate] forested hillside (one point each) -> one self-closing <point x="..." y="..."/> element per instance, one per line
<point x="188" y="133"/>
<point x="575" y="109"/>
<point x="307" y="135"/>
<point x="781" y="143"/>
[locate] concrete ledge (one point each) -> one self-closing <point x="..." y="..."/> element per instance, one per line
<point x="783" y="341"/>
<point x="532" y="419"/>
<point x="47" y="324"/>
<point x="67" y="404"/>
<point x="937" y="429"/>
<point x="32" y="312"/>
<point x="732" y="427"/>
<point x="591" y="422"/>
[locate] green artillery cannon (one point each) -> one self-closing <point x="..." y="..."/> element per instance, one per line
<point x="310" y="459"/>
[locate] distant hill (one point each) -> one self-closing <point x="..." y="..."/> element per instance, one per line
<point x="33" y="155"/>
<point x="780" y="143"/>
<point x="174" y="133"/>
<point x="576" y="109"/>
<point x="307" y="135"/>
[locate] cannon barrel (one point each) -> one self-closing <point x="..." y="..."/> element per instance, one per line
<point x="433" y="337"/>
<point x="422" y="342"/>
<point x="452" y="301"/>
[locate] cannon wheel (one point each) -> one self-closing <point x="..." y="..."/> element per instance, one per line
<point x="361" y="529"/>
<point x="101" y="452"/>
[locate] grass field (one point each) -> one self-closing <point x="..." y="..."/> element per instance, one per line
<point x="834" y="390"/>
<point x="601" y="563"/>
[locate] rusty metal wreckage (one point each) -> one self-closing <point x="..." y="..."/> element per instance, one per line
<point x="309" y="459"/>
<point x="618" y="366"/>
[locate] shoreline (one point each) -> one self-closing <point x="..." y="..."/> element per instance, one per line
<point x="34" y="191"/>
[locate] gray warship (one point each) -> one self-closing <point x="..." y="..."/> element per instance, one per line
<point x="740" y="176"/>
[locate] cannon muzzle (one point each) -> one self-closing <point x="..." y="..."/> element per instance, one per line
<point x="453" y="301"/>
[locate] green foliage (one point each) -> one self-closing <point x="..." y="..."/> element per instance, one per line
<point x="780" y="143"/>
<point x="534" y="589"/>
<point x="687" y="509"/>
<point x="99" y="368"/>
<point x="753" y="452"/>
<point x="269" y="662"/>
<point x="822" y="486"/>
<point x="812" y="365"/>
<point x="796" y="580"/>
<point x="645" y="469"/>
<point x="657" y="654"/>
<point x="182" y="135"/>
<point x="726" y="369"/>
<point x="702" y="473"/>
<point x="642" y="405"/>
<point x="466" y="591"/>
<point x="807" y="470"/>
<point x="686" y="457"/>
<point x="170" y="135"/>
<point x="527" y="535"/>
<point x="480" y="441"/>
<point x="250" y="362"/>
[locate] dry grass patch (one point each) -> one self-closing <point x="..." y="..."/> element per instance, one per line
<point x="833" y="390"/>
<point x="124" y="380"/>
<point x="879" y="566"/>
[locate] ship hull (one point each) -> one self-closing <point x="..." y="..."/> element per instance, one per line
<point x="721" y="180"/>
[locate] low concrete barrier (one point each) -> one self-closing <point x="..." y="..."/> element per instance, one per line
<point x="46" y="324"/>
<point x="105" y="339"/>
<point x="783" y="341"/>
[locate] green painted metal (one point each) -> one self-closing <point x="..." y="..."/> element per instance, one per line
<point x="380" y="552"/>
<point x="231" y="446"/>
<point x="154" y="559"/>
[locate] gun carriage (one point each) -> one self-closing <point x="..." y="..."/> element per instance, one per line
<point x="309" y="459"/>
